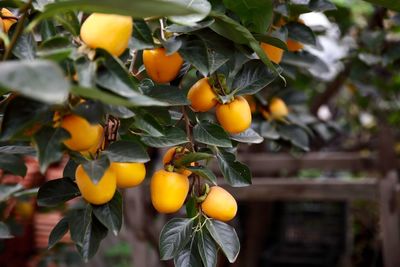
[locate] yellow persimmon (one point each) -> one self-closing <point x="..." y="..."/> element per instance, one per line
<point x="108" y="31"/>
<point x="219" y="204"/>
<point x="294" y="46"/>
<point x="129" y="174"/>
<point x="234" y="117"/>
<point x="8" y="19"/>
<point x="202" y="96"/>
<point x="168" y="191"/>
<point x="273" y="53"/>
<point x="99" y="193"/>
<point x="162" y="68"/>
<point x="278" y="108"/>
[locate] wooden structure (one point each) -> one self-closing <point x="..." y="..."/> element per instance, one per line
<point x="384" y="189"/>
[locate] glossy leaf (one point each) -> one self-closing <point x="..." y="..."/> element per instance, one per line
<point x="141" y="37"/>
<point x="174" y="237"/>
<point x="57" y="191"/>
<point x="203" y="172"/>
<point x="225" y="236"/>
<point x="202" y="6"/>
<point x="300" y="32"/>
<point x="148" y="124"/>
<point x="13" y="164"/>
<point x="235" y="173"/>
<point x="171" y="95"/>
<point x="207" y="248"/>
<point x="249" y="136"/>
<point x="25" y="48"/>
<point x="95" y="169"/>
<point x="49" y="145"/>
<point x="296" y="135"/>
<point x="110" y="214"/>
<point x="211" y="134"/>
<point x="38" y="79"/>
<point x="268" y="130"/>
<point x="126" y="151"/>
<point x="189" y="256"/>
<point x="23" y="150"/>
<point x="192" y="157"/>
<point x="172" y="137"/>
<point x="58" y="232"/>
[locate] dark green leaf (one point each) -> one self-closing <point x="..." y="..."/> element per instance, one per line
<point x="249" y="136"/>
<point x="211" y="134"/>
<point x="192" y="157"/>
<point x="202" y="7"/>
<point x="70" y="169"/>
<point x="189" y="256"/>
<point x="256" y="15"/>
<point x="171" y="95"/>
<point x="172" y="137"/>
<point x="191" y="207"/>
<point x="5" y="232"/>
<point x="265" y="38"/>
<point x="57" y="191"/>
<point x="148" y="124"/>
<point x="95" y="169"/>
<point x="253" y="77"/>
<point x="13" y="164"/>
<point x="86" y="71"/>
<point x="321" y="5"/>
<point x="305" y="60"/>
<point x="225" y="236"/>
<point x="56" y="48"/>
<point x="38" y="79"/>
<point x="92" y="111"/>
<point x="49" y="144"/>
<point x="126" y="151"/>
<point x="203" y="172"/>
<point x="186" y="29"/>
<point x="296" y="135"/>
<point x="25" y="48"/>
<point x="268" y="131"/>
<point x="110" y="214"/>
<point x="300" y="32"/>
<point x="70" y="22"/>
<point x="58" y="232"/>
<point x="142" y="37"/>
<point x="24" y="150"/>
<point x="207" y="248"/>
<point x="174" y="237"/>
<point x="236" y="173"/>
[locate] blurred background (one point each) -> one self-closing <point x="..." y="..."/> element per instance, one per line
<point x="324" y="191"/>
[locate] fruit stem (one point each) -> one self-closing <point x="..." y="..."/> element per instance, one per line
<point x="18" y="30"/>
<point x="188" y="129"/>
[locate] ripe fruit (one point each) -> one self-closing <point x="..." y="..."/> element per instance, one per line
<point x="83" y="134"/>
<point x="99" y="193"/>
<point x="168" y="191"/>
<point x="129" y="174"/>
<point x="174" y="153"/>
<point x="234" y="117"/>
<point x="202" y="96"/>
<point x="278" y="108"/>
<point x="7" y="22"/>
<point x="160" y="67"/>
<point x="294" y="46"/>
<point x="273" y="53"/>
<point x="107" y="31"/>
<point x="219" y="204"/>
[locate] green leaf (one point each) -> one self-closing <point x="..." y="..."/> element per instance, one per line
<point x="296" y="135"/>
<point x="236" y="173"/>
<point x="211" y="134"/>
<point x="58" y="232"/>
<point x="256" y="15"/>
<point x="126" y="151"/>
<point x="95" y="169"/>
<point x="25" y="48"/>
<point x="5" y="232"/>
<point x="192" y="157"/>
<point x="57" y="48"/>
<point x="203" y="172"/>
<point x="86" y="71"/>
<point x="207" y="248"/>
<point x="306" y="61"/>
<point x="110" y="214"/>
<point x="268" y="131"/>
<point x="7" y="191"/>
<point x="206" y="51"/>
<point x="20" y="114"/>
<point x="57" y="191"/>
<point x="148" y="124"/>
<point x="202" y="6"/>
<point x="189" y="256"/>
<point x="249" y="136"/>
<point x="390" y="4"/>
<point x="300" y="32"/>
<point x="141" y="37"/>
<point x="253" y="77"/>
<point x="69" y="21"/>
<point x="70" y="169"/>
<point x="24" y="150"/>
<point x="108" y="98"/>
<point x="174" y="237"/>
<point x="265" y="38"/>
<point x="136" y="9"/>
<point x="49" y="144"/>
<point x="186" y="29"/>
<point x="13" y="164"/>
<point x="321" y="5"/>
<point x="172" y="137"/>
<point x="191" y="207"/>
<point x="225" y="236"/>
<point x="171" y="95"/>
<point x="38" y="79"/>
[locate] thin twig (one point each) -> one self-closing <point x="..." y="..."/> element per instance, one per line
<point x="188" y="128"/>
<point x="18" y="30"/>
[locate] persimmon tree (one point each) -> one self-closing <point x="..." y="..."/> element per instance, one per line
<point x="102" y="81"/>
